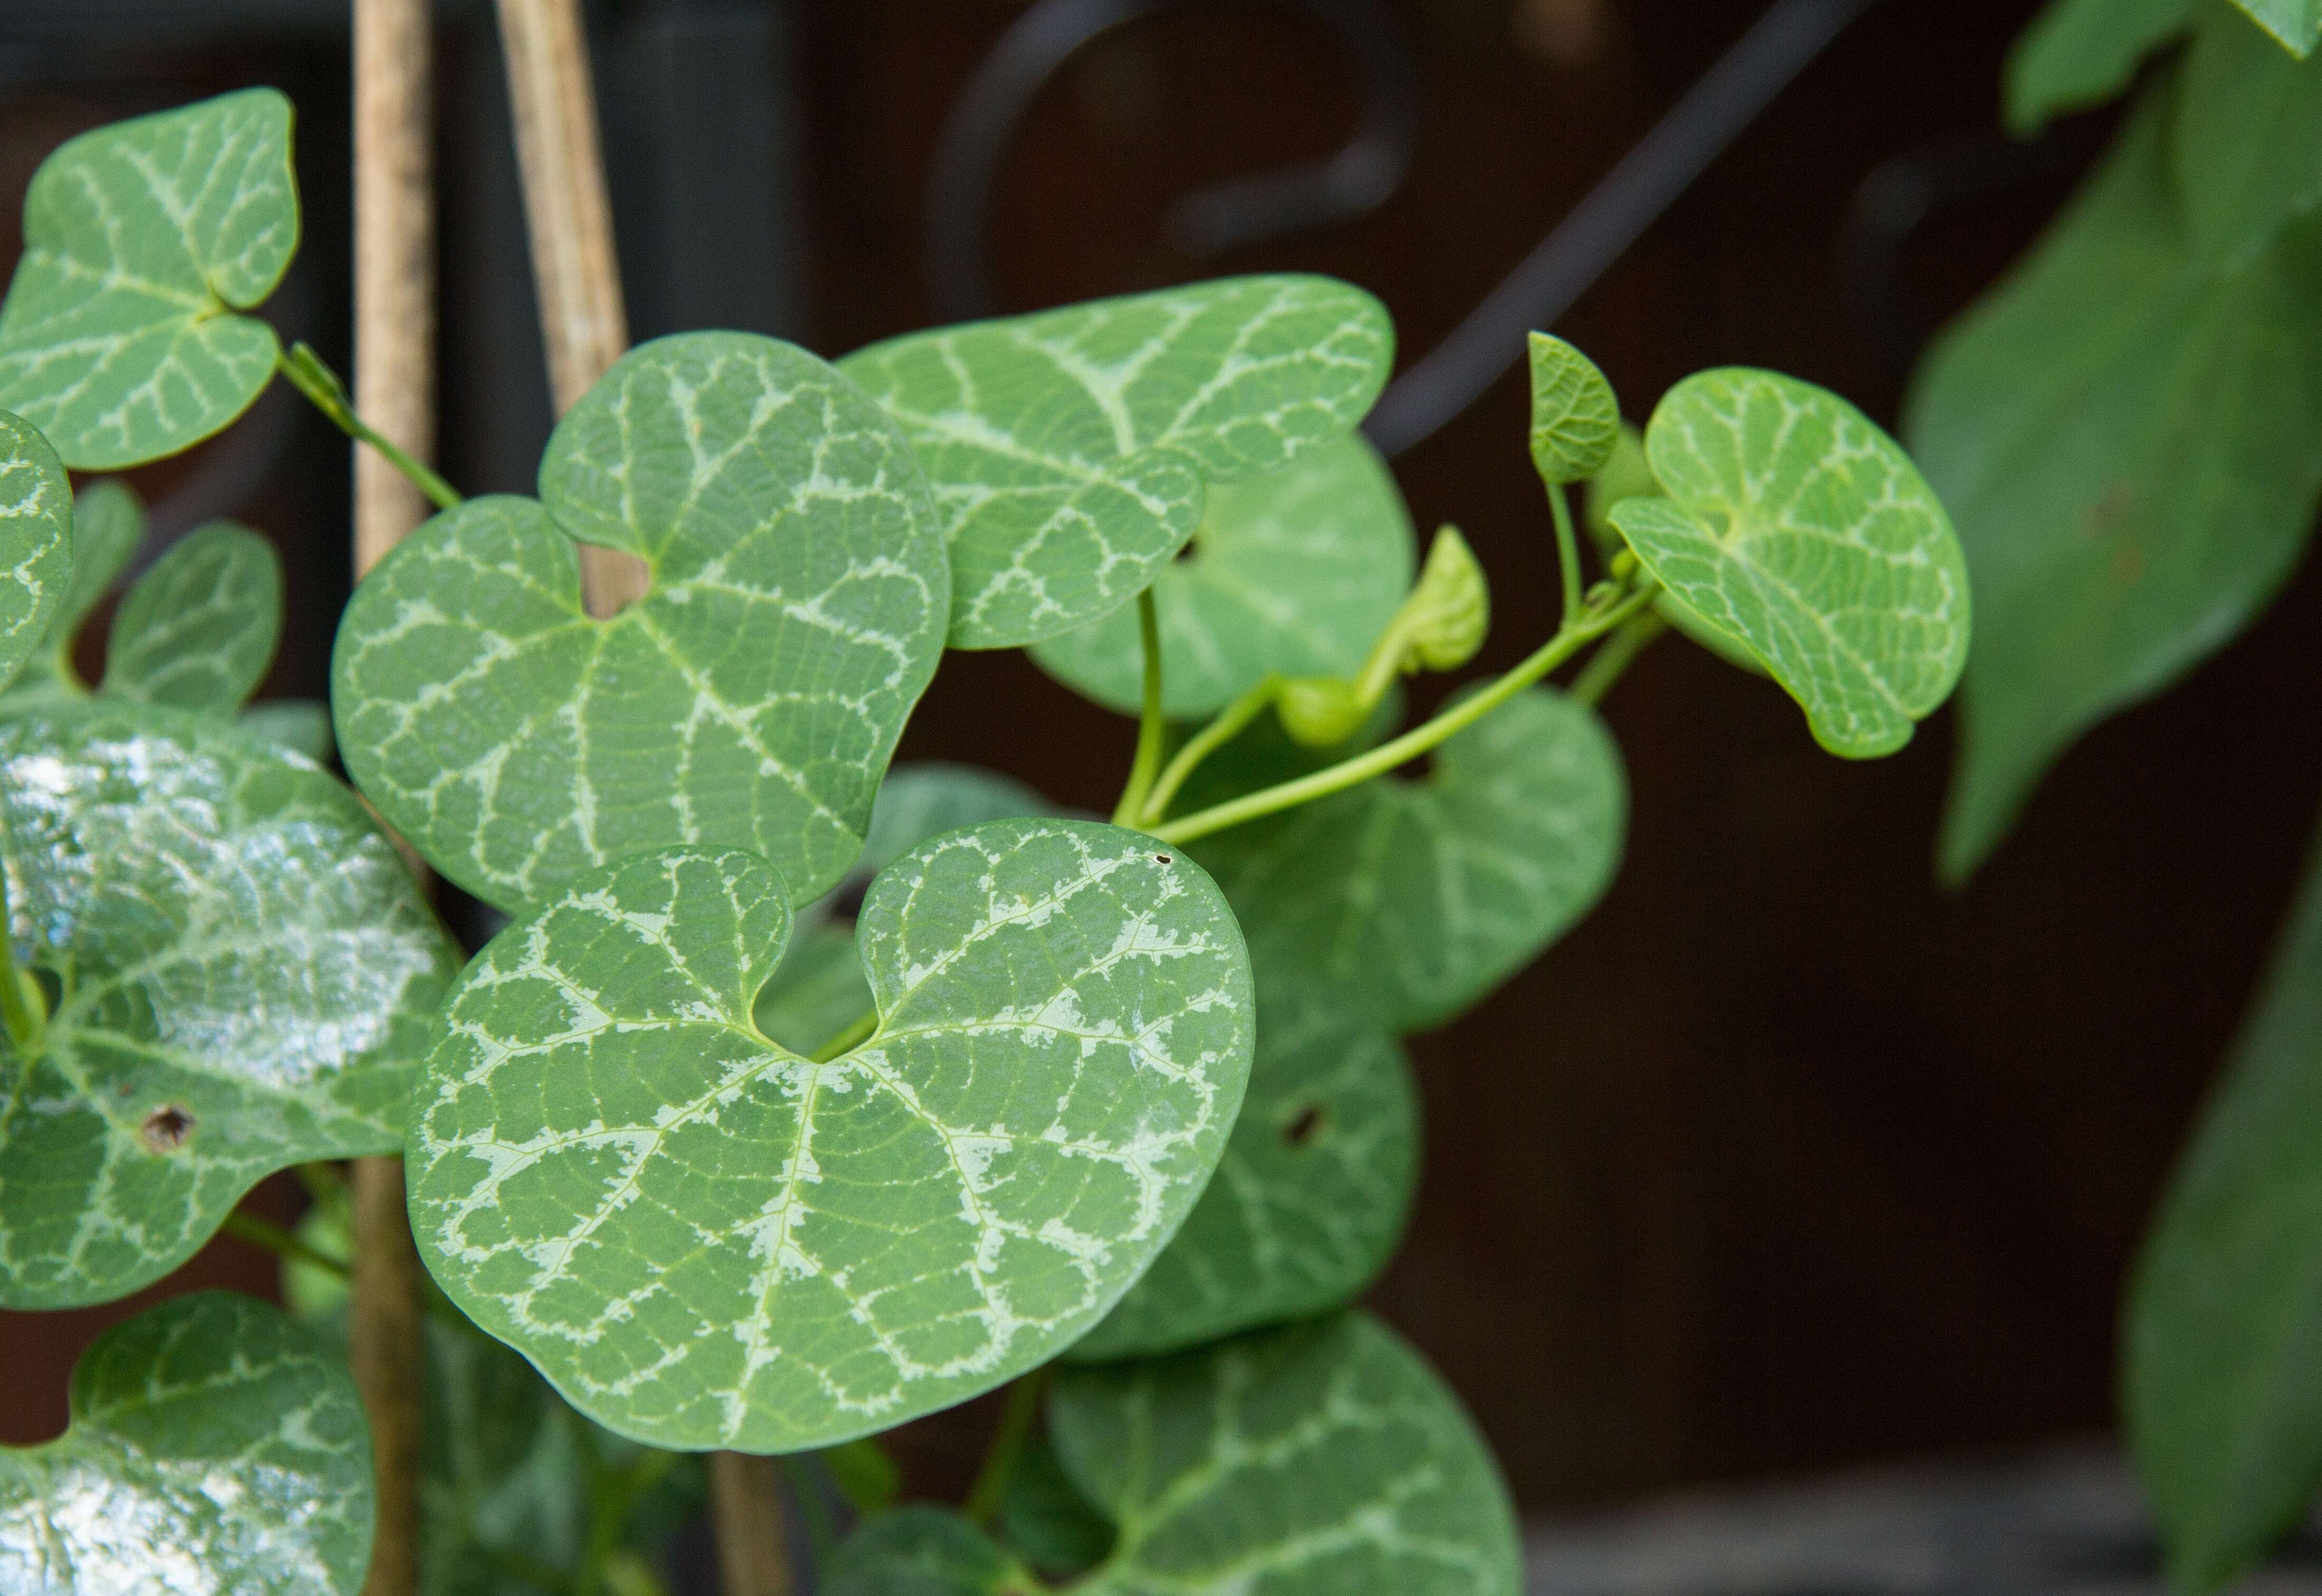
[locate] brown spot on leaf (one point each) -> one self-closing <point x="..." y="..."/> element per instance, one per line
<point x="2109" y="511"/>
<point x="166" y="1128"/>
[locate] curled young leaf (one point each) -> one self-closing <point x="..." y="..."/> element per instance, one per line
<point x="1403" y="901"/>
<point x="1448" y="613"/>
<point x="1291" y="574"/>
<point x="216" y="1446"/>
<point x="1308" y="1201"/>
<point x="1802" y="532"/>
<point x="1321" y="1457"/>
<point x="705" y="1240"/>
<point x="119" y="338"/>
<point x="1575" y="421"/>
<point x="36" y="540"/>
<point x="752" y="698"/>
<point x="1320" y="711"/>
<point x="240" y="973"/>
<point x="200" y="629"/>
<point x="1068" y="450"/>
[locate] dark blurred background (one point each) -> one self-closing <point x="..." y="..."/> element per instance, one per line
<point x="1785" y="1158"/>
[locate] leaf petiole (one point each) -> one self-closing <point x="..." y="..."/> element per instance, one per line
<point x="1568" y="550"/>
<point x="1008" y="1443"/>
<point x="1593" y="622"/>
<point x="1150" y="728"/>
<point x="1224" y="729"/>
<point x="323" y="388"/>
<point x="283" y="1244"/>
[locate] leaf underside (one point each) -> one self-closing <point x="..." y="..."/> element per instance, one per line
<point x="1068" y="450"/>
<point x="244" y="971"/>
<point x="118" y="339"/>
<point x="704" y="1240"/>
<point x="1799" y="529"/>
<point x="751" y="700"/>
<point x="216" y="1449"/>
<point x="1292" y="574"/>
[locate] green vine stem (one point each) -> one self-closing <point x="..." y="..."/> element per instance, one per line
<point x="1224" y="729"/>
<point x="1008" y="1443"/>
<point x="321" y="384"/>
<point x="1151" y="728"/>
<point x="1606" y="665"/>
<point x="270" y="1237"/>
<point x="1593" y="622"/>
<point x="1568" y="551"/>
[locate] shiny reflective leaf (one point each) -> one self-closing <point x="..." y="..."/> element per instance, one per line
<point x="1068" y="450"/>
<point x="216" y="1449"/>
<point x="2223" y="1387"/>
<point x="2133" y="446"/>
<point x="242" y="971"/>
<point x="1402" y="901"/>
<point x="1799" y="529"/>
<point x="200" y="629"/>
<point x="751" y="700"/>
<point x="704" y="1240"/>
<point x="2078" y="53"/>
<point x="118" y="339"/>
<point x="1575" y="419"/>
<point x="1307" y="1203"/>
<point x="1291" y="574"/>
<point x="1325" y="1456"/>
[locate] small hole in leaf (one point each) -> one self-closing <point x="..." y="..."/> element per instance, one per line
<point x="1300" y="1130"/>
<point x="1163" y="859"/>
<point x="53" y="988"/>
<point x="166" y="1128"/>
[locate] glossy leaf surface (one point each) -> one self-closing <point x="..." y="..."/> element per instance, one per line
<point x="751" y="700"/>
<point x="2223" y="1332"/>
<point x="1307" y="1202"/>
<point x="1799" y="529"/>
<point x="705" y="1240"/>
<point x="2133" y="446"/>
<point x="199" y="628"/>
<point x="1405" y="901"/>
<point x="36" y="540"/>
<point x="216" y="1449"/>
<point x="1575" y="421"/>
<point x="1291" y="574"/>
<point x="244" y="972"/>
<point x="1321" y="1457"/>
<point x="2246" y="150"/>
<point x="119" y="338"/>
<point x="1068" y="450"/>
<point x="2078" y="53"/>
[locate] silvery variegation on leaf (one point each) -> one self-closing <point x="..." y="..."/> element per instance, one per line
<point x="1069" y="450"/>
<point x="120" y="338"/>
<point x="706" y="1240"/>
<point x="36" y="540"/>
<point x="242" y="970"/>
<point x="216" y="1449"/>
<point x="751" y="700"/>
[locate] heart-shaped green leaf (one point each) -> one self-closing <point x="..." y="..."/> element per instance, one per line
<point x="751" y="700"/>
<point x="1322" y="1456"/>
<point x="1068" y="450"/>
<point x="118" y="339"/>
<point x="705" y="1240"/>
<point x="1290" y="574"/>
<point x="1402" y="901"/>
<point x="1575" y="421"/>
<point x="215" y="1445"/>
<point x="2296" y="25"/>
<point x="1307" y="1203"/>
<point x="922" y="1551"/>
<point x="1797" y="527"/>
<point x="243" y="972"/>
<point x="36" y="540"/>
<point x="200" y="629"/>
<point x="108" y="523"/>
<point x="2078" y="53"/>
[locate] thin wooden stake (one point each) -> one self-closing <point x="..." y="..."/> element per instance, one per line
<point x="574" y="269"/>
<point x="395" y="389"/>
<point x="586" y="328"/>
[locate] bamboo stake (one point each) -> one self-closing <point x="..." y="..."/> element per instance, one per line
<point x="395" y="388"/>
<point x="754" y="1554"/>
<point x="574" y="269"/>
<point x="585" y="327"/>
